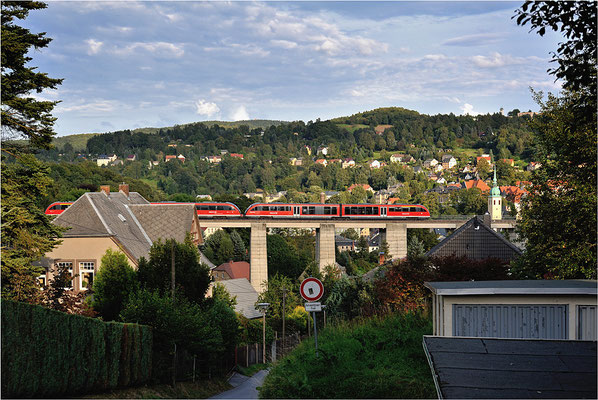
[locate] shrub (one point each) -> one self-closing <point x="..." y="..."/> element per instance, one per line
<point x="375" y="358"/>
<point x="47" y="353"/>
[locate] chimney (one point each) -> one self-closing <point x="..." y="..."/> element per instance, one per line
<point x="105" y="189"/>
<point x="124" y="188"/>
<point x="322" y="197"/>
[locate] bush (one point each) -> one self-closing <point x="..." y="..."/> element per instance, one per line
<point x="47" y="353"/>
<point x="378" y="358"/>
<point x="116" y="280"/>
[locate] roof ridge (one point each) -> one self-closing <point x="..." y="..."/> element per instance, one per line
<point x="98" y="213"/>
<point x="138" y="224"/>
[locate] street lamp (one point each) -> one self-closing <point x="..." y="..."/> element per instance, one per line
<point x="263" y="307"/>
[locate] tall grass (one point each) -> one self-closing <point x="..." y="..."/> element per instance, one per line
<point x="381" y="357"/>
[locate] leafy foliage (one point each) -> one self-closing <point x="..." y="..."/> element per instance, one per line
<point x="27" y="233"/>
<point x="374" y="358"/>
<point x="191" y="277"/>
<point x="115" y="281"/>
<point x="53" y="354"/>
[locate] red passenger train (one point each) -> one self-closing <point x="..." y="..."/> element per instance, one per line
<point x="317" y="210"/>
<point x="58" y="207"/>
<point x="208" y="209"/>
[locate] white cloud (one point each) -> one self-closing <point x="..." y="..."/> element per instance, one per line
<point x="102" y="106"/>
<point x="467" y="109"/>
<point x="496" y="60"/>
<point x="286" y="44"/>
<point x="240" y="114"/>
<point x="206" y="108"/>
<point x="93" y="46"/>
<point x="161" y="49"/>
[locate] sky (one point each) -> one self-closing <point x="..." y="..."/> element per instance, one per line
<point x="130" y="65"/>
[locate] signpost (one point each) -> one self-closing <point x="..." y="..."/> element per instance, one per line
<point x="311" y="290"/>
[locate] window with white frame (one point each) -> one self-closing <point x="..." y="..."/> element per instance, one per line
<point x="66" y="264"/>
<point x="86" y="272"/>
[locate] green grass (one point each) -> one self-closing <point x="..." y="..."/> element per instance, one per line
<point x="182" y="390"/>
<point x="381" y="357"/>
<point x="352" y="128"/>
<point x="79" y="141"/>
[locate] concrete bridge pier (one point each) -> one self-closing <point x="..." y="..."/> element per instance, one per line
<point x="395" y="235"/>
<point x="258" y="256"/>
<point x="325" y="246"/>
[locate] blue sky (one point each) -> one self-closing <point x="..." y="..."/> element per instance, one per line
<point x="128" y="65"/>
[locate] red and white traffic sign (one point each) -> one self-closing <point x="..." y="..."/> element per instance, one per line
<point x="311" y="289"/>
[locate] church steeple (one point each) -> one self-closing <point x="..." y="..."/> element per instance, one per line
<point x="495" y="200"/>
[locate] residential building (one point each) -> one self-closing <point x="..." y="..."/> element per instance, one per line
<point x="244" y="293"/>
<point x="530" y="114"/>
<point x="181" y="158"/>
<point x="169" y="158"/>
<point x="476" y="183"/>
<point x="477" y="241"/>
<point x="122" y="221"/>
<point x="131" y="157"/>
<point x="104" y="159"/>
<point x="322" y="161"/>
<point x="307" y="149"/>
<point x="323" y="150"/>
<point x="348" y="162"/>
<point x="203" y="197"/>
<point x="429" y="163"/>
<point x="214" y="159"/>
<point x="509" y="161"/>
<point x="236" y="155"/>
<point x="232" y="270"/>
<point x="365" y="186"/>
<point x="374" y="164"/>
<point x="344" y="244"/>
<point x="533" y="165"/>
<point x="396" y="158"/>
<point x="449" y="162"/>
<point x="485" y="157"/>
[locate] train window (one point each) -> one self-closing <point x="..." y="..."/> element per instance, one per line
<point x="326" y="210"/>
<point x="203" y="208"/>
<point x="55" y="207"/>
<point x="411" y="209"/>
<point x="65" y="206"/>
<point x="220" y="208"/>
<point x="303" y="210"/>
<point x="419" y="209"/>
<point x="288" y="208"/>
<point x="376" y="210"/>
<point x="312" y="210"/>
<point x="334" y="211"/>
<point x="212" y="208"/>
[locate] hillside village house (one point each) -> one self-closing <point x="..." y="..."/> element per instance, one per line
<point x="484" y="157"/>
<point x="322" y="161"/>
<point x="379" y="130"/>
<point x="104" y="160"/>
<point x="232" y="270"/>
<point x="430" y="163"/>
<point x="365" y="187"/>
<point x="347" y="163"/>
<point x="374" y="164"/>
<point x="448" y="162"/>
<point x="121" y="221"/>
<point x="323" y="150"/>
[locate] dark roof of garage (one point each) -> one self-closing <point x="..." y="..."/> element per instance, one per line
<point x="512" y="368"/>
<point x="547" y="287"/>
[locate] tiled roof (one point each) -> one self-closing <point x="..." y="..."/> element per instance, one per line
<point x="131" y="220"/>
<point x="477" y="183"/>
<point x="246" y="296"/>
<point x="477" y="242"/>
<point x="161" y="221"/>
<point x="485" y="368"/>
<point x="235" y="269"/>
<point x="98" y="214"/>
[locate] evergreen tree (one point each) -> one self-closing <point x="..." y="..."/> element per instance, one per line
<point x="22" y="115"/>
<point x="239" y="250"/>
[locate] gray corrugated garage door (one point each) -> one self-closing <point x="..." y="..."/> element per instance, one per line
<point x="525" y="321"/>
<point x="586" y="318"/>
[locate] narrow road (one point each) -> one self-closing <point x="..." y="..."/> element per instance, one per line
<point x="246" y="387"/>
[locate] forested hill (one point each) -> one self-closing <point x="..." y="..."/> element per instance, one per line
<point x="265" y="155"/>
<point x="354" y="136"/>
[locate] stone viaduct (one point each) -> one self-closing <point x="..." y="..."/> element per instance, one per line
<point x="393" y="231"/>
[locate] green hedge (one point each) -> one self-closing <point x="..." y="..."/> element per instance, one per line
<point x="47" y="353"/>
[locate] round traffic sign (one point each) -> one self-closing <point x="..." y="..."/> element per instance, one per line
<point x="311" y="289"/>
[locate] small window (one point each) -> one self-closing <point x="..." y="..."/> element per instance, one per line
<point x="304" y="210"/>
<point x="212" y="208"/>
<point x="55" y="207"/>
<point x="312" y="210"/>
<point x="64" y="206"/>
<point x="412" y="209"/>
<point x="326" y="210"/>
<point x="203" y="208"/>
<point x="334" y="211"/>
<point x="65" y="264"/>
<point x="220" y="208"/>
<point x="86" y="271"/>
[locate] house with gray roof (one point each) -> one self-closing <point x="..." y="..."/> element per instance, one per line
<point x="245" y="295"/>
<point x="121" y="221"/>
<point x="476" y="241"/>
